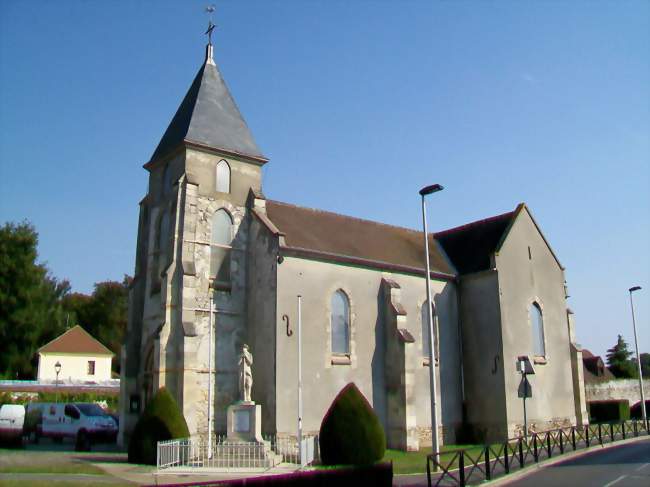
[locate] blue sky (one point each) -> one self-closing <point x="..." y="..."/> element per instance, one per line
<point x="358" y="105"/>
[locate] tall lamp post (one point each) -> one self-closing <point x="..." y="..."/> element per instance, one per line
<point x="57" y="369"/>
<point x="434" y="188"/>
<point x="638" y="358"/>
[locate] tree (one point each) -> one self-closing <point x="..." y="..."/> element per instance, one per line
<point x="102" y="314"/>
<point x="618" y="361"/>
<point x="30" y="301"/>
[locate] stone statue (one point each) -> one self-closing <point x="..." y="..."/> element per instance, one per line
<point x="245" y="375"/>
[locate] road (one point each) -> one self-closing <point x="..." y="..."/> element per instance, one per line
<point x="619" y="466"/>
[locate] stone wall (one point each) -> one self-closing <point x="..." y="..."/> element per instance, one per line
<point x="627" y="389"/>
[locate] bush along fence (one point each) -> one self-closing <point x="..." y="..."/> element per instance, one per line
<point x="466" y="467"/>
<point x="193" y="454"/>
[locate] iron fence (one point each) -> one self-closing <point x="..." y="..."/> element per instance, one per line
<point x="474" y="465"/>
<point x="223" y="454"/>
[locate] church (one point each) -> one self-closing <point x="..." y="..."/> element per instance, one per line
<point x="218" y="265"/>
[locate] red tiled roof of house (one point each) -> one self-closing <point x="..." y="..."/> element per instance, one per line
<point x="75" y="340"/>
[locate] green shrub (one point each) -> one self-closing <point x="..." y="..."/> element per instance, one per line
<point x="608" y="411"/>
<point x="351" y="433"/>
<point x="161" y="420"/>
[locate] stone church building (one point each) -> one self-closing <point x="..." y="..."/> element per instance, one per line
<point x="208" y="239"/>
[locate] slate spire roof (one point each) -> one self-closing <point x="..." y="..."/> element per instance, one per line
<point x="209" y="116"/>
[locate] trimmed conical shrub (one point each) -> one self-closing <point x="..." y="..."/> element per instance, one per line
<point x="162" y="420"/>
<point x="351" y="433"/>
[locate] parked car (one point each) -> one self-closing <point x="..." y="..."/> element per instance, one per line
<point x="85" y="423"/>
<point x="12" y="418"/>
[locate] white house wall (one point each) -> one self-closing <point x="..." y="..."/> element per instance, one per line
<point x="73" y="367"/>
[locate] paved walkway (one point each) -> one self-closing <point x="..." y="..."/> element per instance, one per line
<point x="149" y="476"/>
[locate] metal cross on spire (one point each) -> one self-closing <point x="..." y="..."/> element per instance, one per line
<point x="210" y="10"/>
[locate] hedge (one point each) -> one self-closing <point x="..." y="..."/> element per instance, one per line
<point x="351" y="433"/>
<point x="161" y="420"/>
<point x="607" y="411"/>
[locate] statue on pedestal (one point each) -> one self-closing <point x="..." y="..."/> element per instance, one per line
<point x="245" y="374"/>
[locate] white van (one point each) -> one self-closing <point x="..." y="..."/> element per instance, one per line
<point x="12" y="418"/>
<point x="85" y="423"/>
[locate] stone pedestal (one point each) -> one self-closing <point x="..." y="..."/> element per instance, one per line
<point x="245" y="422"/>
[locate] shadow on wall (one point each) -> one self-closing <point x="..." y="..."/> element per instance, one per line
<point x="377" y="363"/>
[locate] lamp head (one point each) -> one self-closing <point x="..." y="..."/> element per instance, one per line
<point x="434" y="188"/>
<point x="57" y="367"/>
<point x="635" y="288"/>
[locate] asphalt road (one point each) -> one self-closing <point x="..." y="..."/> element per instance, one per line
<point x="619" y="466"/>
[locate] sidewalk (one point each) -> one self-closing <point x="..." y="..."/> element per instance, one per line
<point x="142" y="475"/>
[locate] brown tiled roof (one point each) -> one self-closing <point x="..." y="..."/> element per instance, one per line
<point x="75" y="340"/>
<point x="365" y="242"/>
<point x="586" y="353"/>
<point x="470" y="246"/>
<point x="594" y="368"/>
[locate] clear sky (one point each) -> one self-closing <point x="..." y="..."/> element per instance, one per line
<point x="357" y="105"/>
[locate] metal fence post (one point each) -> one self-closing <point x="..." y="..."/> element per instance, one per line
<point x="506" y="462"/>
<point x="461" y="468"/>
<point x="623" y="429"/>
<point x="521" y="453"/>
<point x="573" y="437"/>
<point x="634" y="427"/>
<point x="600" y="433"/>
<point x="535" y="447"/>
<point x="587" y="434"/>
<point x="548" y="443"/>
<point x="428" y="471"/>
<point x="487" y="463"/>
<point x="611" y="432"/>
<point x="561" y="441"/>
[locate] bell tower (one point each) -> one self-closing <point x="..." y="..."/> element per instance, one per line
<point x="191" y="259"/>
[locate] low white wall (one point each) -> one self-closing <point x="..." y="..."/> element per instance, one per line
<point x="617" y="389"/>
<point x="74" y="367"/>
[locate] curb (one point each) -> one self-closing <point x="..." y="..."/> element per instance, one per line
<point x="524" y="472"/>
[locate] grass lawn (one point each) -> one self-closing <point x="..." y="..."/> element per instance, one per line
<point x="24" y="461"/>
<point x="55" y="483"/>
<point x="416" y="461"/>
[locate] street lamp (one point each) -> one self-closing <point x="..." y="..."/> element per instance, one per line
<point x="638" y="358"/>
<point x="57" y="369"/>
<point x="434" y="188"/>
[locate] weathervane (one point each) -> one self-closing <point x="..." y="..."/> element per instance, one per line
<point x="210" y="9"/>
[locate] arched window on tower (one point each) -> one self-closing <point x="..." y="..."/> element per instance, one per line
<point x="223" y="177"/>
<point x="424" y="321"/>
<point x="340" y="323"/>
<point x="221" y="246"/>
<point x="537" y="322"/>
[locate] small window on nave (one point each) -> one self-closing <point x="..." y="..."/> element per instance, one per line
<point x="340" y="323"/>
<point x="223" y="177"/>
<point x="221" y="246"/>
<point x="537" y="322"/>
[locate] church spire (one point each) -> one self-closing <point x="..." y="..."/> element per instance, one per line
<point x="209" y="57"/>
<point x="208" y="116"/>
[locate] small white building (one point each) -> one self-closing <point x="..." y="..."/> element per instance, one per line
<point x="81" y="357"/>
